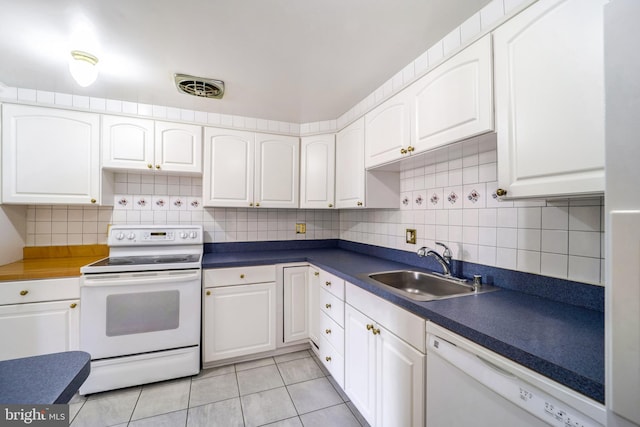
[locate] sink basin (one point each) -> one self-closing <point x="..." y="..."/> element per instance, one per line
<point x="421" y="286"/>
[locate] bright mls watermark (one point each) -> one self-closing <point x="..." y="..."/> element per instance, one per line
<point x="34" y="415"/>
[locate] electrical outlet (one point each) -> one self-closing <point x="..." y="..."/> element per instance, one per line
<point x="411" y="236"/>
<point x="301" y="228"/>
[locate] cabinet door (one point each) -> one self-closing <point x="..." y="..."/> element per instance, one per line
<point x="400" y="375"/>
<point x="296" y="297"/>
<point x="127" y="143"/>
<point x="388" y="130"/>
<point x="178" y="147"/>
<point x="455" y="100"/>
<point x="317" y="171"/>
<point x="277" y="171"/>
<point x="360" y="363"/>
<point x="50" y="156"/>
<point x="39" y="328"/>
<point x="314" y="305"/>
<point x="239" y="320"/>
<point x="550" y="99"/>
<point x="350" y="182"/>
<point x="228" y="168"/>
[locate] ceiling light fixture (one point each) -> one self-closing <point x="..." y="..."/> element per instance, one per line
<point x="83" y="67"/>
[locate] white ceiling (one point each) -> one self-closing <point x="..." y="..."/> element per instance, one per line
<point x="289" y="60"/>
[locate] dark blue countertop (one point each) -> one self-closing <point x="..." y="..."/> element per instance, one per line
<point x="561" y="341"/>
<point x="47" y="379"/>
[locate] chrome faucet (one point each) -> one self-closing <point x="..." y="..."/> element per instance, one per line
<point x="444" y="259"/>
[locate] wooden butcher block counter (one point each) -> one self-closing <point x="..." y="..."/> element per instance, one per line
<point x="46" y="262"/>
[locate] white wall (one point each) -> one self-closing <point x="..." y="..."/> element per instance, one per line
<point x="13" y="224"/>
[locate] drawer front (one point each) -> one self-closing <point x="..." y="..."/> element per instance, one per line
<point x="332" y="332"/>
<point x="332" y="283"/>
<point x="239" y="275"/>
<point x="332" y="306"/>
<point x="26" y="291"/>
<point x="333" y="361"/>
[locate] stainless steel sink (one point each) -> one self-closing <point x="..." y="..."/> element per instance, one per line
<point x="421" y="286"/>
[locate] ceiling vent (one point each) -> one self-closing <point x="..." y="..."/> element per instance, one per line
<point x="198" y="86"/>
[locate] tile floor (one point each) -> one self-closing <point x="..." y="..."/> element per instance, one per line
<point x="289" y="390"/>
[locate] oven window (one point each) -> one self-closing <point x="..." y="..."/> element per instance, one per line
<point x="142" y="312"/>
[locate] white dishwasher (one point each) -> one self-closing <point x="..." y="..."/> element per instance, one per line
<point x="468" y="385"/>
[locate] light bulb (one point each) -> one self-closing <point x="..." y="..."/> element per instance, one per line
<point x="83" y="67"/>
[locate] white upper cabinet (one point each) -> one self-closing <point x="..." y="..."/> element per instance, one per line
<point x="277" y="171"/>
<point x="228" y="167"/>
<point x="350" y="166"/>
<point x="388" y="130"/>
<point x="142" y="144"/>
<point x="454" y="101"/>
<point x="127" y="143"/>
<point x="245" y="169"/>
<point x="317" y="171"/>
<point x="550" y="99"/>
<point x="50" y="156"/>
<point x="178" y="147"/>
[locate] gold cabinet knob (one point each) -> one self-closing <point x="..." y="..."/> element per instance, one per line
<point x="149" y="165"/>
<point x="330" y="205"/>
<point x="500" y="192"/>
<point x="157" y="166"/>
<point x="24" y="292"/>
<point x="242" y="276"/>
<point x="327" y="331"/>
<point x="327" y="283"/>
<point x="250" y="204"/>
<point x="93" y="201"/>
<point x="327" y="305"/>
<point x="257" y="204"/>
<point x="316" y="273"/>
<point x="73" y="305"/>
<point x="410" y="149"/>
<point x="369" y="327"/>
<point x="208" y="293"/>
<point x="328" y="358"/>
<point x="403" y="151"/>
<point x="376" y="331"/>
<point x="359" y="203"/>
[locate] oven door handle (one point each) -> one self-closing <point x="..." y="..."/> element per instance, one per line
<point x="145" y="278"/>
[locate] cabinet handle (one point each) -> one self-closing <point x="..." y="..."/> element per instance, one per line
<point x="327" y="283"/>
<point x="242" y="276"/>
<point x="328" y="358"/>
<point x="376" y="331"/>
<point x="359" y="203"/>
<point x="73" y="305"/>
<point x="369" y="327"/>
<point x="150" y="166"/>
<point x="410" y="149"/>
<point x="257" y="204"/>
<point x="327" y="305"/>
<point x="157" y="166"/>
<point x="500" y="192"/>
<point x="250" y="204"/>
<point x="403" y="151"/>
<point x="208" y="293"/>
<point x="24" y="292"/>
<point x="93" y="200"/>
<point x="316" y="273"/>
<point x="327" y="331"/>
<point x="330" y="205"/>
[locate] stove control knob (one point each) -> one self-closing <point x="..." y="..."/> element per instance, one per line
<point x="131" y="236"/>
<point x="193" y="234"/>
<point x="183" y="235"/>
<point x="120" y="236"/>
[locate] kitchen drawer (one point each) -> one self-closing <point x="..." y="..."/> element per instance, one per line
<point x="332" y="360"/>
<point x="332" y="283"/>
<point x="332" y="306"/>
<point x="407" y="326"/>
<point x="332" y="332"/>
<point x="239" y="275"/>
<point x="25" y="291"/>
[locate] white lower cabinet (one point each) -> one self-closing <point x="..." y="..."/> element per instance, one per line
<point x="239" y="312"/>
<point x="314" y="306"/>
<point x="384" y="360"/>
<point x="32" y="323"/>
<point x="296" y="299"/>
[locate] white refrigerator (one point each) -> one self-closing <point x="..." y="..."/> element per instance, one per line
<point x="622" y="206"/>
